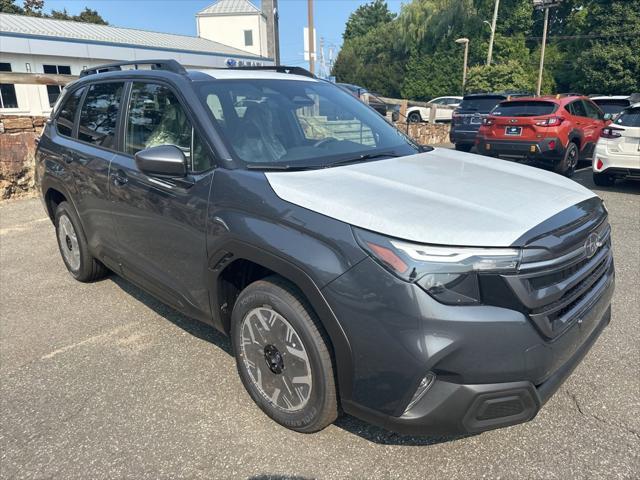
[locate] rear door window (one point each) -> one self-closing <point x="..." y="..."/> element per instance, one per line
<point x="99" y="114"/>
<point x="66" y="118"/>
<point x="524" y="109"/>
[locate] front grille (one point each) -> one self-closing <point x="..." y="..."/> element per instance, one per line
<point x="554" y="293"/>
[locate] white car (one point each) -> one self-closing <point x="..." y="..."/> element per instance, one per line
<point x="421" y="114"/>
<point x="617" y="152"/>
<point x="612" y="105"/>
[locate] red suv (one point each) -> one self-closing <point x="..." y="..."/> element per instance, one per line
<point x="556" y="131"/>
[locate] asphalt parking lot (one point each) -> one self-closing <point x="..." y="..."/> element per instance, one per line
<point x="102" y="381"/>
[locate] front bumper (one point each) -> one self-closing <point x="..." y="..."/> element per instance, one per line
<point x="450" y="408"/>
<point x="492" y="366"/>
<point x="546" y="150"/>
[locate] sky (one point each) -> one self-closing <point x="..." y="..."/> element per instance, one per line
<point x="178" y="16"/>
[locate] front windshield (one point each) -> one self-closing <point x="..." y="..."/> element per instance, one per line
<point x="297" y="123"/>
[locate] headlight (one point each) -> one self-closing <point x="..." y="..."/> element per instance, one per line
<point x="448" y="274"/>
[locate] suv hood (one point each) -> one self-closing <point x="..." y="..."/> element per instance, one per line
<point x="439" y="197"/>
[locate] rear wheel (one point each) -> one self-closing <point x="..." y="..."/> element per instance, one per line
<point x="567" y="166"/>
<point x="414" y="117"/>
<point x="463" y="147"/>
<point x="74" y="248"/>
<point x="603" y="179"/>
<point x="283" y="356"/>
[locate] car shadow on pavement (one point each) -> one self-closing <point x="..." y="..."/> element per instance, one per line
<point x="190" y="325"/>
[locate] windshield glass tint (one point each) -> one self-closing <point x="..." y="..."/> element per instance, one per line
<point x="612" y="106"/>
<point x="629" y="118"/>
<point x="297" y="123"/>
<point x="524" y="109"/>
<point x="480" y="104"/>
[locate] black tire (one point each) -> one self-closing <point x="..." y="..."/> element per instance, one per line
<point x="603" y="179"/>
<point x="464" y="147"/>
<point x="567" y="166"/>
<point x="278" y="295"/>
<point x="88" y="269"/>
<point x="414" y="117"/>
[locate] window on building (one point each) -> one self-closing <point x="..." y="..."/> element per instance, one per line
<point x="67" y="115"/>
<point x="248" y="38"/>
<point x="53" y="91"/>
<point x="8" y="97"/>
<point x="99" y="114"/>
<point x="157" y="118"/>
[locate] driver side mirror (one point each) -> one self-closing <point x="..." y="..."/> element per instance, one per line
<point x="163" y="160"/>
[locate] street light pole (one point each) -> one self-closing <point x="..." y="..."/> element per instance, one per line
<point x="544" y="43"/>
<point x="493" y="31"/>
<point x="311" y="36"/>
<point x="464" y="41"/>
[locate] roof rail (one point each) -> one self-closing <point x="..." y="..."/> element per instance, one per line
<point x="169" y="65"/>
<point x="277" y="68"/>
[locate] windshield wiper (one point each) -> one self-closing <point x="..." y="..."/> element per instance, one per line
<point x="362" y="158"/>
<point x="276" y="167"/>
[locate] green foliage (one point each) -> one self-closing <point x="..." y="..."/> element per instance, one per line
<point x="9" y="6"/>
<point x="367" y="17"/>
<point x="34" y="8"/>
<point x="371" y="61"/>
<point x="499" y="77"/>
<point x="593" y="47"/>
<point x="429" y="76"/>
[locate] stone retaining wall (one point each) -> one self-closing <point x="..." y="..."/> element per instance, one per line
<point x="17" y="149"/>
<point x="426" y="133"/>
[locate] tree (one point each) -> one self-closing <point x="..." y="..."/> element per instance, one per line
<point x="429" y="76"/>
<point x="365" y="18"/>
<point x="34" y="8"/>
<point x="9" y="6"/>
<point x="499" y="78"/>
<point x="372" y="61"/>
<point x="592" y="47"/>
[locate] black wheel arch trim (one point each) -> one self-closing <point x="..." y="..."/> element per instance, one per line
<point x="237" y="250"/>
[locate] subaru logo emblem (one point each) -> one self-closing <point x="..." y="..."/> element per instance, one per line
<point x="591" y="245"/>
<point x="513" y="120"/>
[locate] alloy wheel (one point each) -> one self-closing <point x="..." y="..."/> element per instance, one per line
<point x="68" y="240"/>
<point x="275" y="359"/>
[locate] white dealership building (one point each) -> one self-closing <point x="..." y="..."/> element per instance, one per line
<point x="42" y="45"/>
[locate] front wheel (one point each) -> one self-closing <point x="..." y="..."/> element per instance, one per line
<point x="283" y="356"/>
<point x="567" y="166"/>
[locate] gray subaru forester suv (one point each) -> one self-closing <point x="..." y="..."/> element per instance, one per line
<point x="421" y="289"/>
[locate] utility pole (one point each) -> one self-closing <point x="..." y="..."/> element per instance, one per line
<point x="544" y="5"/>
<point x="544" y="44"/>
<point x="322" y="71"/>
<point x="493" y="31"/>
<point x="311" y="36"/>
<point x="465" y="42"/>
